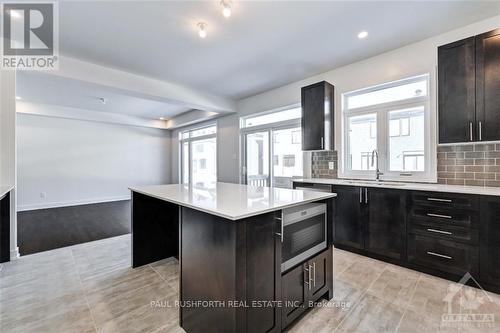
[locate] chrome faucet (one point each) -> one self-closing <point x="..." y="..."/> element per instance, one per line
<point x="377" y="171"/>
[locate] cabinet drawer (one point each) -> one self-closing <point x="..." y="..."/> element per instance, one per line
<point x="442" y="216"/>
<point x="447" y="256"/>
<point x="445" y="232"/>
<point x="450" y="200"/>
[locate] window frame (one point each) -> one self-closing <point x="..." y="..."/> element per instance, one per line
<point x="189" y="140"/>
<point x="382" y="111"/>
<point x="270" y="128"/>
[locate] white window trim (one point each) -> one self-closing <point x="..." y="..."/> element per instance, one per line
<point x="270" y="128"/>
<point x="190" y="140"/>
<point x="381" y="110"/>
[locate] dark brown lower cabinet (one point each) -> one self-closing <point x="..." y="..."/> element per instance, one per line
<point x="443" y="255"/>
<point x="294" y="294"/>
<point x="385" y="226"/>
<point x="489" y="241"/>
<point x="371" y="219"/>
<point x="305" y="284"/>
<point x="350" y="215"/>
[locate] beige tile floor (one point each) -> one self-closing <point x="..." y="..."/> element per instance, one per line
<point x="91" y="288"/>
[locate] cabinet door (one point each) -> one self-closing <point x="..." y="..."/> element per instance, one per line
<point x="456" y="86"/>
<point x="385" y="227"/>
<point x="294" y="293"/>
<point x="349" y="216"/>
<point x="321" y="274"/>
<point x="263" y="277"/>
<point x="488" y="85"/>
<point x="313" y="117"/>
<point x="489" y="240"/>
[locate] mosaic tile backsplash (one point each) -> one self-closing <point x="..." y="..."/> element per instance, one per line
<point x="474" y="164"/>
<point x="319" y="167"/>
<point x="470" y="164"/>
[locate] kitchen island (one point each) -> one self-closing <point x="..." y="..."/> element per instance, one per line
<point x="228" y="239"/>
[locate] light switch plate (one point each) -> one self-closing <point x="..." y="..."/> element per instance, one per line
<point x="331" y="165"/>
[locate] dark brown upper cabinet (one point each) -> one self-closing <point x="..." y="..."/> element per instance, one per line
<point x="468" y="84"/>
<point x="488" y="85"/>
<point x="457" y="95"/>
<point x="317" y="116"/>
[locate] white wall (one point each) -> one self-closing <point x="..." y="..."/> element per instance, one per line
<point x="8" y="147"/>
<point x="75" y="161"/>
<point x="417" y="58"/>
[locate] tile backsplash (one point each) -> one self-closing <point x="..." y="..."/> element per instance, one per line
<point x="320" y="167"/>
<point x="467" y="164"/>
<point x="471" y="164"/>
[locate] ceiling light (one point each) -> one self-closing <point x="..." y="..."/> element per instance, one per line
<point x="201" y="29"/>
<point x="362" y="34"/>
<point x="161" y="118"/>
<point x="18" y="98"/>
<point x="226" y="5"/>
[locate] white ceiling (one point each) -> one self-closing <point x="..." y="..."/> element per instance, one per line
<point x="265" y="44"/>
<point x="39" y="87"/>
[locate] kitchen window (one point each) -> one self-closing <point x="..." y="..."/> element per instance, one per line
<point x="393" y="119"/>
<point x="272" y="147"/>
<point x="199" y="156"/>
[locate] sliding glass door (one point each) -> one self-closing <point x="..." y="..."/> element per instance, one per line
<point x="257" y="158"/>
<point x="199" y="156"/>
<point x="273" y="162"/>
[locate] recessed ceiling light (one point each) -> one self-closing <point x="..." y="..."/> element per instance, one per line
<point x="362" y="34"/>
<point x="202" y="32"/>
<point x="18" y="98"/>
<point x="161" y="118"/>
<point x="226" y="8"/>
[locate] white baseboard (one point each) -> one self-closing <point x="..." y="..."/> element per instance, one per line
<point x="14" y="254"/>
<point x="22" y="208"/>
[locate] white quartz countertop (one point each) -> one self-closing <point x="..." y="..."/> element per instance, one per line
<point x="4" y="189"/>
<point x="493" y="191"/>
<point x="232" y="201"/>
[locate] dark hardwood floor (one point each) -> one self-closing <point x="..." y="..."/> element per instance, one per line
<point x="47" y="229"/>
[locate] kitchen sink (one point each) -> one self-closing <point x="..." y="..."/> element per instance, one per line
<point x="375" y="183"/>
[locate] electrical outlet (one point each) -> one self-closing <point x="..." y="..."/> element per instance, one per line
<point x="331" y="165"/>
<point x="42" y="195"/>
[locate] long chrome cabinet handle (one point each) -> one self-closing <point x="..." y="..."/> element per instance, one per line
<point x="360" y="195"/>
<point x="439" y="231"/>
<point x="438" y="255"/>
<point x="308" y="270"/>
<point x="440" y="200"/>
<point x="314" y="274"/>
<point x="440" y="216"/>
<point x="470" y="131"/>
<point x="366" y="195"/>
<point x="480" y="131"/>
<point x="322" y="143"/>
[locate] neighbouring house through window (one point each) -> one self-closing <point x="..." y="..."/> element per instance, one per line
<point x="393" y="119"/>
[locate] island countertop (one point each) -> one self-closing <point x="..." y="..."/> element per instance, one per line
<point x="231" y="201"/>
